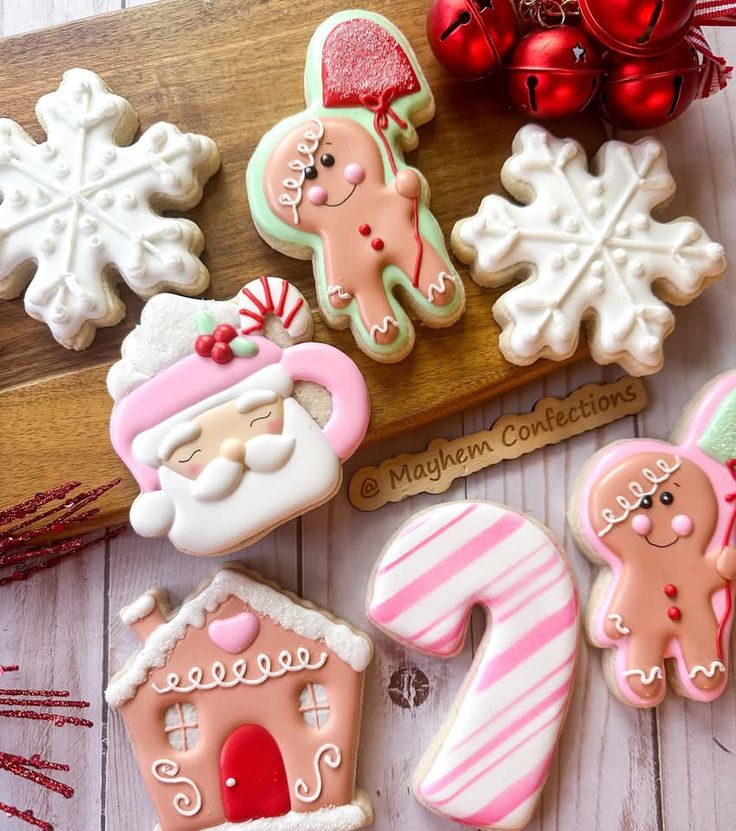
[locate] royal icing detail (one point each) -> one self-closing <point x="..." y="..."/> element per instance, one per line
<point x="276" y="296"/>
<point x="662" y="606"/>
<point x="588" y="250"/>
<point x="328" y="754"/>
<point x="491" y="762"/>
<point x="286" y="662"/>
<point x="276" y="746"/>
<point x="209" y="426"/>
<point x="80" y="202"/>
<point x="166" y="771"/>
<point x="330" y="184"/>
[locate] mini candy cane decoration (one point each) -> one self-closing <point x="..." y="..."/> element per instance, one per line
<point x="497" y="746"/>
<point x="274" y="295"/>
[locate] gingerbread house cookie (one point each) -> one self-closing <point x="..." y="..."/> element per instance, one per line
<point x="243" y="707"/>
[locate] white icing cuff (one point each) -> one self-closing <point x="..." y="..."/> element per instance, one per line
<point x="715" y="666"/>
<point x="152" y="514"/>
<point x="654" y="674"/>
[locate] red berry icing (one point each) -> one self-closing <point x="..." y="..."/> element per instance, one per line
<point x="221" y="352"/>
<point x="225" y="332"/>
<point x="203" y="345"/>
<point x="364" y="229"/>
<point x="674" y="613"/>
<point x="360" y="58"/>
<point x="377" y="244"/>
<point x="670" y="590"/>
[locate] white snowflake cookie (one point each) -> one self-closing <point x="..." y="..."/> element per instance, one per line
<point x="80" y="209"/>
<point x="589" y="250"/>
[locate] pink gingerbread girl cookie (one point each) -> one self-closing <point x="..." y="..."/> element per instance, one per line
<point x="243" y="707"/>
<point x="658" y="516"/>
<point x="207" y="420"/>
<point x="330" y="184"/>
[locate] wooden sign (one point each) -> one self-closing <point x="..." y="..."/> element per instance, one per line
<point x="551" y="421"/>
<point x="230" y="70"/>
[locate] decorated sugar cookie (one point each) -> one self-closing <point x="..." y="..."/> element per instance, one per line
<point x="330" y="184"/>
<point x="658" y="516"/>
<point x="206" y="419"/>
<point x="82" y="208"/>
<point x="243" y="707"/>
<point x="588" y="251"/>
<point x="488" y="764"/>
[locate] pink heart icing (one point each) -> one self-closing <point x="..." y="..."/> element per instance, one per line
<point x="234" y="634"/>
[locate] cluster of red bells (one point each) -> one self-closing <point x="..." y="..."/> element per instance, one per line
<point x="630" y="54"/>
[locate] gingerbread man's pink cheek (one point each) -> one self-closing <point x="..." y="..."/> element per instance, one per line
<point x="641" y="524"/>
<point x="317" y="195"/>
<point x="274" y="425"/>
<point x="354" y="173"/>
<point x="682" y="525"/>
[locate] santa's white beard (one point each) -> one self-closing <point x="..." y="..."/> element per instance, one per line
<point x="260" y="499"/>
<point x="263" y="454"/>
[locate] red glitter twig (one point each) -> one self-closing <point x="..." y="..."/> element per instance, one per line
<point x="38" y="778"/>
<point x="44" y="702"/>
<point x="26" y="816"/>
<point x="31" y="505"/>
<point x="11" y="668"/>
<point x="34" y="762"/>
<point x="57" y="720"/>
<point x="39" y="693"/>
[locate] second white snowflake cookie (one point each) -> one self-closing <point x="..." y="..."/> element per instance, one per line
<point x="80" y="208"/>
<point x="589" y="250"/>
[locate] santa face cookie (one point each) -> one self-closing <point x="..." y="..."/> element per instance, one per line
<point x="588" y="251"/>
<point x="206" y="418"/>
<point x="243" y="707"/>
<point x="657" y="516"/>
<point x="489" y="762"/>
<point x="330" y="184"/>
<point x="81" y="208"/>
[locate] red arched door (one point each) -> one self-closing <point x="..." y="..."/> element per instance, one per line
<point x="252" y="775"/>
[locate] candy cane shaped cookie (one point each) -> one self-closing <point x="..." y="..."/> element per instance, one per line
<point x="489" y="762"/>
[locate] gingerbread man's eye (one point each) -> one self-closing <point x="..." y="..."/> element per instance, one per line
<point x="310" y="172"/>
<point x="666" y="498"/>
<point x="327" y="160"/>
<point x="646" y="502"/>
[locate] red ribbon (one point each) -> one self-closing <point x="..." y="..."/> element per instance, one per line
<point x="716" y="72"/>
<point x="381" y="106"/>
<point x="731" y="499"/>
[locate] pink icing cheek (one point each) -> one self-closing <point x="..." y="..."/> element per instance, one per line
<point x="354" y="173"/>
<point x="274" y="425"/>
<point x="194" y="468"/>
<point x="317" y="195"/>
<point x="641" y="524"/>
<point x="682" y="525"/>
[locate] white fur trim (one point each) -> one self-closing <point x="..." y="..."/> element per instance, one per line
<point x="274" y="377"/>
<point x="152" y="514"/>
<point x="353" y="647"/>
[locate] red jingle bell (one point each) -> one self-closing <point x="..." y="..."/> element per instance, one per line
<point x="470" y="38"/>
<point x="554" y="72"/>
<point x="638" y="27"/>
<point x="642" y="93"/>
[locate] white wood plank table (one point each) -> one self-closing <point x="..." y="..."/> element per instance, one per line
<point x="672" y="768"/>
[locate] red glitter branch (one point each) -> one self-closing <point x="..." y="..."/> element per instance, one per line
<point x="29" y="522"/>
<point x="30" y="768"/>
<point x="26" y="816"/>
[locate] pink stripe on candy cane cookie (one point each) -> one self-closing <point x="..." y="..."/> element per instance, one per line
<point x="457" y="561"/>
<point x="496" y="748"/>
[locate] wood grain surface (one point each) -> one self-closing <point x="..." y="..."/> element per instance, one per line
<point x="231" y="69"/>
<point x="617" y="769"/>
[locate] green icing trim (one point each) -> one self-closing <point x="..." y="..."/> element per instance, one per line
<point x="719" y="439"/>
<point x="273" y="227"/>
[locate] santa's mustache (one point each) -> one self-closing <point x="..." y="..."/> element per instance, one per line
<point x="263" y="454"/>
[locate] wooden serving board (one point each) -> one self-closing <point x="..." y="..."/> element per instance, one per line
<point x="230" y="69"/>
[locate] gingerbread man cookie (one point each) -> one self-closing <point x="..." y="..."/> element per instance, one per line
<point x="658" y="516"/>
<point x="330" y="184"/>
